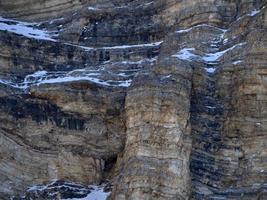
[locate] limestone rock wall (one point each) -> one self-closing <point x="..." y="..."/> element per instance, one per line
<point x="152" y="99"/>
<point x="155" y="162"/>
<point x="45" y="137"/>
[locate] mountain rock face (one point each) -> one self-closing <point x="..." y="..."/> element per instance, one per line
<point x="133" y="99"/>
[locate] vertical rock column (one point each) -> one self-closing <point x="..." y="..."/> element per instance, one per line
<point x="155" y="164"/>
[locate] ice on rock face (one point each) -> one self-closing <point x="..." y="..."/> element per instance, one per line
<point x="25" y="29"/>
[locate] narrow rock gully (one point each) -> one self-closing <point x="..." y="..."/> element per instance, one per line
<point x="207" y="122"/>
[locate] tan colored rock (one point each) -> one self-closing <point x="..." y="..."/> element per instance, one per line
<point x="166" y="99"/>
<point x="156" y="157"/>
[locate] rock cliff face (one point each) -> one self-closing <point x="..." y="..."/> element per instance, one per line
<point x="126" y="99"/>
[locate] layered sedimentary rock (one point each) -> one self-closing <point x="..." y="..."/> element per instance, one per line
<point x="39" y="9"/>
<point x="162" y="99"/>
<point x="155" y="163"/>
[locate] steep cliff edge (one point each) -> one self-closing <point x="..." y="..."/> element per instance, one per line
<point x="140" y="99"/>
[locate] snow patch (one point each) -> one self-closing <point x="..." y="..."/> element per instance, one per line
<point x="92" y="192"/>
<point x="25" y="29"/>
<point x="96" y="194"/>
<point x="185" y="54"/>
<point x="151" y="60"/>
<point x="210" y="107"/>
<point x="254" y="12"/>
<point x="251" y="14"/>
<point x="149" y="3"/>
<point x="200" y="25"/>
<point x="55" y="20"/>
<point x="93" y="8"/>
<point x="225" y="40"/>
<point x="134" y="46"/>
<point x="210" y="70"/>
<point x="40" y="187"/>
<point x="155" y="44"/>
<point x="167" y="76"/>
<point x="44" y="77"/>
<point x="209" y="58"/>
<point x="6" y="82"/>
<point x="237" y="62"/>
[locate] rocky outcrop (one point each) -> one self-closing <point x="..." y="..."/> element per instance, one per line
<point x="222" y="164"/>
<point x="45" y="138"/>
<point x="155" y="163"/>
<point x="159" y="99"/>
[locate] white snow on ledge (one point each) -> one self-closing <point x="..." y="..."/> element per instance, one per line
<point x="96" y="194"/>
<point x="200" y="25"/>
<point x="251" y="14"/>
<point x="26" y="29"/>
<point x="255" y="12"/>
<point x="185" y="54"/>
<point x="44" y="77"/>
<point x="210" y="70"/>
<point x="154" y="44"/>
<point x="16" y="21"/>
<point x="133" y="46"/>
<point x="93" y="8"/>
<point x="119" y="77"/>
<point x="237" y="62"/>
<point x="209" y="58"/>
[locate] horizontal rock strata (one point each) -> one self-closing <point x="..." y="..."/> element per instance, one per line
<point x="133" y="99"/>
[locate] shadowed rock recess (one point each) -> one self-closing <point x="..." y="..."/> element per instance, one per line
<point x="133" y="99"/>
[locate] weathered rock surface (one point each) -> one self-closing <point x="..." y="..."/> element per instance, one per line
<point x="162" y="99"/>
